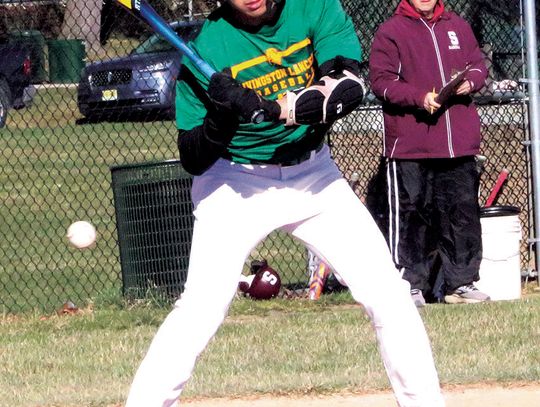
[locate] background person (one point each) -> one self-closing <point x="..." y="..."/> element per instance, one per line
<point x="431" y="171"/>
<point x="254" y="178"/>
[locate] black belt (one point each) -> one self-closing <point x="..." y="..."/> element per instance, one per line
<point x="295" y="161"/>
<point x="303" y="157"/>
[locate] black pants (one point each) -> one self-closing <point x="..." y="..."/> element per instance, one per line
<point x="434" y="221"/>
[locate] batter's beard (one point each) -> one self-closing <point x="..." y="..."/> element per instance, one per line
<point x="272" y="11"/>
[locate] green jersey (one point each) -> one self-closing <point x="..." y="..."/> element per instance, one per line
<point x="272" y="60"/>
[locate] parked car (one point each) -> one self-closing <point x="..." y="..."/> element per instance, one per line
<point x="15" y="78"/>
<point x="141" y="82"/>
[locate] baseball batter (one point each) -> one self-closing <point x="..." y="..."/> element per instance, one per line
<point x="297" y="61"/>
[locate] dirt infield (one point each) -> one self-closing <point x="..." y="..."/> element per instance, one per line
<point x="477" y="396"/>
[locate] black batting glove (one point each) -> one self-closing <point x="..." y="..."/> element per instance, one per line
<point x="229" y="96"/>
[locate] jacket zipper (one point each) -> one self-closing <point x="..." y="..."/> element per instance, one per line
<point x="441" y="71"/>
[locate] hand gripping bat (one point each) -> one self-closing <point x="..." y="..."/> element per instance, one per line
<point x="143" y="10"/>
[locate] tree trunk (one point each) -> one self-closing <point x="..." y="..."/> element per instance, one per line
<point x="82" y="20"/>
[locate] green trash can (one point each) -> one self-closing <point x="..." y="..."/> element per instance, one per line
<point x="154" y="222"/>
<point x="66" y="60"/>
<point x="35" y="42"/>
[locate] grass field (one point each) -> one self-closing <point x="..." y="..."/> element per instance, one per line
<point x="56" y="169"/>
<point x="280" y="347"/>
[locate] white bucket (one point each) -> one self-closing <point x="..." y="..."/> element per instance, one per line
<point x="500" y="272"/>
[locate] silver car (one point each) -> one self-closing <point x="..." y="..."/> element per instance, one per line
<point x="141" y="84"/>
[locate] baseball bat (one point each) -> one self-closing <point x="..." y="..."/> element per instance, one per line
<point x="497" y="187"/>
<point x="317" y="281"/>
<point x="144" y="11"/>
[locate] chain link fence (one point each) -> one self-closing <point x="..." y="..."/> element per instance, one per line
<point x="67" y="133"/>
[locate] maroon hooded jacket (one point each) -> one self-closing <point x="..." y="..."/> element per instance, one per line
<point x="409" y="58"/>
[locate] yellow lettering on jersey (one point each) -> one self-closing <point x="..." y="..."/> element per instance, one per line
<point x="301" y="66"/>
<point x="294" y="76"/>
<point x="277" y="82"/>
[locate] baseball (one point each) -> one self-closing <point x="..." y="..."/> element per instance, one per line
<point x="81" y="234"/>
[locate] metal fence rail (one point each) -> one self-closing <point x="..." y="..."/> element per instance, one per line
<point x="56" y="162"/>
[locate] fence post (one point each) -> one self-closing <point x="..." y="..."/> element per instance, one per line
<point x="534" y="115"/>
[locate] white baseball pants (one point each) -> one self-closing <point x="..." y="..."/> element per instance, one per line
<point x="236" y="206"/>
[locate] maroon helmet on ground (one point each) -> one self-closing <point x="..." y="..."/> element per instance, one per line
<point x="262" y="285"/>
